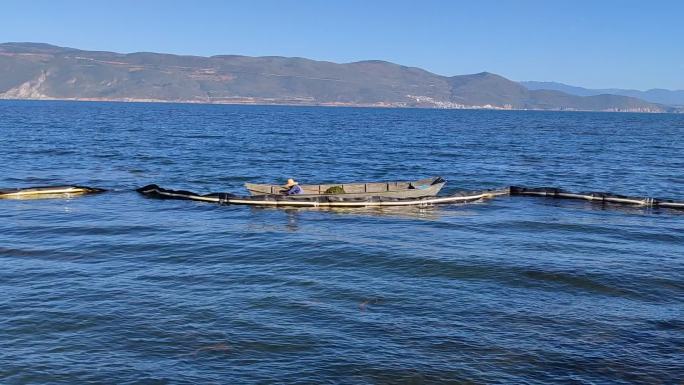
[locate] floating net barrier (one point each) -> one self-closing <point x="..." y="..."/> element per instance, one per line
<point x="47" y="192"/>
<point x="460" y="197"/>
<point x="154" y="191"/>
<point x="596" y="197"/>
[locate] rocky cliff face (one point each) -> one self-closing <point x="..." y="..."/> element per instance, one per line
<point x="41" y="71"/>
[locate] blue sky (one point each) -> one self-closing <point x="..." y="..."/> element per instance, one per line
<point x="603" y="43"/>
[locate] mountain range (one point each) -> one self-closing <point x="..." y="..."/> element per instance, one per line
<point x="655" y="95"/>
<point x="43" y="71"/>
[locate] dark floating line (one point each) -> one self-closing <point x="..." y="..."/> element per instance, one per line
<point x="595" y="197"/>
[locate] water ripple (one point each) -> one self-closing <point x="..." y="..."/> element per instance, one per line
<point x="118" y="288"/>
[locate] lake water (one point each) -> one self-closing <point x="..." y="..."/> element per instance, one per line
<point x="119" y="289"/>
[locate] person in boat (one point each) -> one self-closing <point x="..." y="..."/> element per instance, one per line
<point x="292" y="188"/>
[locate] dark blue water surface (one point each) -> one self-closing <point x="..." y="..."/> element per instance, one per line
<point x="119" y="289"/>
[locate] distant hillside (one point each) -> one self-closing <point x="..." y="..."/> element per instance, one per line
<point x="656" y="95"/>
<point x="42" y="71"/>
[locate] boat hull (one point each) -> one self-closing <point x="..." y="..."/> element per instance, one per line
<point x="403" y="190"/>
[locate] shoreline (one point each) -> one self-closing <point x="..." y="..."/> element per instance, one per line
<point x="262" y="102"/>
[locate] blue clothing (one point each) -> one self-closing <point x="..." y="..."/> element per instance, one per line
<point x="294" y="190"/>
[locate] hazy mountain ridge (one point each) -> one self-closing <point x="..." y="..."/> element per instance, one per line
<point x="654" y="95"/>
<point x="43" y="71"/>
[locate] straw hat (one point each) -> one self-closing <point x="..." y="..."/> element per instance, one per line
<point x="291" y="182"/>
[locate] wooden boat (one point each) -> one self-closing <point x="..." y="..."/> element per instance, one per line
<point x="427" y="187"/>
